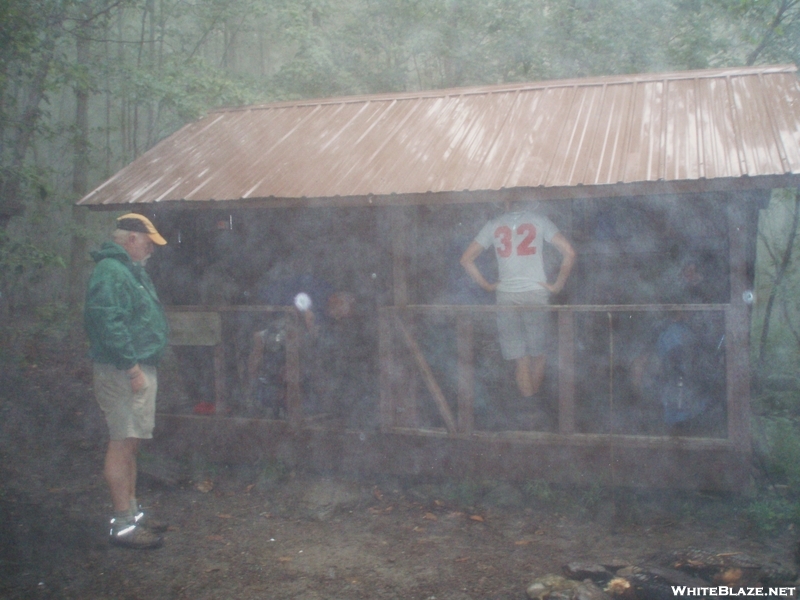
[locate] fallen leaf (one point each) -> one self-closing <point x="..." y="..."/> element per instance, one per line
<point x="249" y="487"/>
<point x="462" y="559"/>
<point x="374" y="511"/>
<point x="225" y="516"/>
<point x="418" y="529"/>
<point x="455" y="514"/>
<point x="522" y="542"/>
<point x="477" y="518"/>
<point x="540" y="532"/>
<point x="438" y="503"/>
<point x="429" y="516"/>
<point x="210" y="569"/>
<point x="729" y="576"/>
<point x="378" y="494"/>
<point x="388" y="509"/>
<point x="284" y="559"/>
<point x="205" y="486"/>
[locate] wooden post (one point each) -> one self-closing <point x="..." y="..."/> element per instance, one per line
<point x="386" y="360"/>
<point x="427" y="376"/>
<point x="466" y="372"/>
<point x="566" y="371"/>
<point x="400" y="220"/>
<point x="737" y="333"/>
<point x="294" y="395"/>
<point x="406" y="379"/>
<point x="219" y="378"/>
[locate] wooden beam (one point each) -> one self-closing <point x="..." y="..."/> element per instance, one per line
<point x="294" y="395"/>
<point x="219" y="378"/>
<point x="561" y="193"/>
<point x="737" y="333"/>
<point x="400" y="221"/>
<point x="427" y="376"/>
<point x="655" y="462"/>
<point x="566" y="372"/>
<point x="386" y="361"/>
<point x="466" y="372"/>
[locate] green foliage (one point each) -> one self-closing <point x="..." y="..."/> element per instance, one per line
<point x="188" y="89"/>
<point x="271" y="472"/>
<point x="23" y="262"/>
<point x="591" y="498"/>
<point x="463" y="492"/>
<point x="52" y="321"/>
<point x="771" y="513"/>
<point x="538" y="490"/>
<point x="769" y="29"/>
<point x="150" y="67"/>
<point x="778" y="403"/>
<point x="781" y="321"/>
<point x="777" y="442"/>
<point x="777" y="448"/>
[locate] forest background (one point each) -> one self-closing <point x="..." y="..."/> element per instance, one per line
<point x="86" y="86"/>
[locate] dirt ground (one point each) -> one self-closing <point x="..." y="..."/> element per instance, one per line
<point x="258" y="531"/>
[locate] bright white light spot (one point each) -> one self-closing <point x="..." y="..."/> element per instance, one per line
<point x="302" y="301"/>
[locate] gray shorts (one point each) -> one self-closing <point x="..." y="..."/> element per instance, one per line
<point x="522" y="333"/>
<point x="128" y="415"/>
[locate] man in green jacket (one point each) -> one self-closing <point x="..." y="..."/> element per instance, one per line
<point x="127" y="332"/>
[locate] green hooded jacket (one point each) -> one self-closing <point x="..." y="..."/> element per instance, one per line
<point x="122" y="315"/>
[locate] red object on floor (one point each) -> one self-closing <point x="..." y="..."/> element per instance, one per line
<point x="205" y="408"/>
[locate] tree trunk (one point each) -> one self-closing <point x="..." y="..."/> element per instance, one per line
<point x="11" y="204"/>
<point x="80" y="170"/>
<point x="779" y="275"/>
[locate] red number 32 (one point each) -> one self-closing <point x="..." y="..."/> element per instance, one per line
<point x="524" y="248"/>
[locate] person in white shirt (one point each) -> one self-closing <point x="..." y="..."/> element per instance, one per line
<point x="518" y="236"/>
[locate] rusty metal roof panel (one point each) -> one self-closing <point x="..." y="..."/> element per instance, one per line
<point x="719" y="145"/>
<point x="786" y="115"/>
<point x="603" y="132"/>
<point x="607" y="158"/>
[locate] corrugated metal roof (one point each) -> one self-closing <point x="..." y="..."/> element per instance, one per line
<point x="606" y="134"/>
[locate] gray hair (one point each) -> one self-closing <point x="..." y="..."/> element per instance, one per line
<point x="120" y="236"/>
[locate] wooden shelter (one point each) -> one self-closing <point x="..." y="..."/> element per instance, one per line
<point x="648" y="175"/>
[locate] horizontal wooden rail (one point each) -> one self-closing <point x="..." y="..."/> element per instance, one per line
<point x="395" y="395"/>
<point x="493" y="308"/>
<point x="294" y="394"/>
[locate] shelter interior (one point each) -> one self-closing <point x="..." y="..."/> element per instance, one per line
<point x="653" y="279"/>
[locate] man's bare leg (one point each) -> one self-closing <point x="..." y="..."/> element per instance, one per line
<point x="530" y="374"/>
<point x="120" y="472"/>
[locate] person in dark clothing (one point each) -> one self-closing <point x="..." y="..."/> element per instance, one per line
<point x="320" y="310"/>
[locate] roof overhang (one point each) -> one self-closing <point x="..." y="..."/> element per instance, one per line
<point x="722" y="130"/>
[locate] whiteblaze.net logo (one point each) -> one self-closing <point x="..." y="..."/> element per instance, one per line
<point x="732" y="592"/>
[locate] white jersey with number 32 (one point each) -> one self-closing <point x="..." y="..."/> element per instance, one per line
<point x="518" y="238"/>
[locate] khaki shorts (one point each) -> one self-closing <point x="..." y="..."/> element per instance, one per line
<point x="128" y="415"/>
<point x="523" y="333"/>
